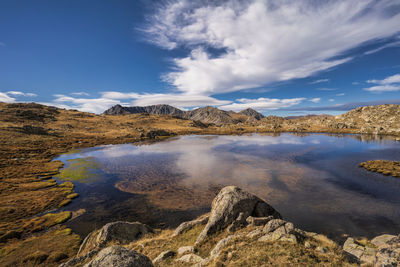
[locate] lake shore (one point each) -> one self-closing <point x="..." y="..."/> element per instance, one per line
<point x="32" y="135"/>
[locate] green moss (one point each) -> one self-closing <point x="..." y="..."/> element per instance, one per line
<point x="66" y="231"/>
<point x="64" y="202"/>
<point x="67" y="184"/>
<point x="81" y="170"/>
<point x="73" y="195"/>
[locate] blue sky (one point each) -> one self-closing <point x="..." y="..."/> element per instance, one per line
<point x="278" y="57"/>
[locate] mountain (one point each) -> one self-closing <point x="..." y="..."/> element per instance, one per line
<point x="210" y="115"/>
<point x="155" y="109"/>
<point x="252" y="113"/>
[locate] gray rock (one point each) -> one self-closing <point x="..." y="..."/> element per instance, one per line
<point x="257" y="221"/>
<point x="186" y="226"/>
<point x="254" y="233"/>
<point x="382" y="240"/>
<point x="272" y="225"/>
<point x="186" y="249"/>
<point x="228" y="204"/>
<point x="358" y="252"/>
<point x="220" y="245"/>
<point x="117" y="232"/>
<point x="190" y="258"/>
<point x="163" y="256"/>
<point x="278" y="236"/>
<point x="119" y="256"/>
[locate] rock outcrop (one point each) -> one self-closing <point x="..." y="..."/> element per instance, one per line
<point x="115" y="232"/>
<point x="383" y="250"/>
<point x="119" y="256"/>
<point x="231" y="207"/>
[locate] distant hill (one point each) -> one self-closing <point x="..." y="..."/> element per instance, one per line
<point x="205" y="114"/>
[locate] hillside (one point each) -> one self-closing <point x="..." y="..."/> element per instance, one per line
<point x="155" y="109"/>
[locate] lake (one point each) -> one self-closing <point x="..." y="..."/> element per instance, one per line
<point x="313" y="180"/>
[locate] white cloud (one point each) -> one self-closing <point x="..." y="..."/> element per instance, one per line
<point x="262" y="103"/>
<point x="373" y="51"/>
<point x="319" y="81"/>
<point x="95" y="105"/>
<point x="4" y="97"/>
<point x="264" y="41"/>
<point x="341" y="94"/>
<point x="389" y="84"/>
<point x="18" y="93"/>
<point x="315" y="100"/>
<point x="331" y="100"/>
<point x="80" y="94"/>
<point x="326" y="89"/>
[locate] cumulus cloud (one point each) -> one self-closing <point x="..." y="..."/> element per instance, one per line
<point x="315" y="100"/>
<point x="95" y="105"/>
<point x="389" y="84"/>
<point x="264" y="41"/>
<point x="262" y="103"/>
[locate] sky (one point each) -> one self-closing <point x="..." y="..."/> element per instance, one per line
<point x="279" y="57"/>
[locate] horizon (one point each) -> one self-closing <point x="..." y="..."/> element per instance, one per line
<point x="267" y="55"/>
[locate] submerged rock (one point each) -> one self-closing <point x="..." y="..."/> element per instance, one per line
<point x="232" y="206"/>
<point x="119" y="256"/>
<point x="116" y="232"/>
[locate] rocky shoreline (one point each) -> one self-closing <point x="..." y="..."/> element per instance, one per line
<point x="240" y="221"/>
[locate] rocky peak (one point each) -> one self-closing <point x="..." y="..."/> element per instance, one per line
<point x="252" y="113"/>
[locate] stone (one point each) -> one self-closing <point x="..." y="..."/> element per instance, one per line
<point x="321" y="250"/>
<point x="254" y="233"/>
<point x="119" y="256"/>
<point x="227" y="206"/>
<point x="190" y="258"/>
<point x="272" y="225"/>
<point x="186" y="226"/>
<point x="257" y="221"/>
<point x="220" y="245"/>
<point x="382" y="240"/>
<point x="186" y="249"/>
<point x="163" y="256"/>
<point x="237" y="224"/>
<point x="116" y="232"/>
<point x="358" y="252"/>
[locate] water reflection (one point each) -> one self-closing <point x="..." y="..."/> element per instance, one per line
<point x="313" y="179"/>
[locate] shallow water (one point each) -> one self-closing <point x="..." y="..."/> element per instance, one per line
<point x="313" y="180"/>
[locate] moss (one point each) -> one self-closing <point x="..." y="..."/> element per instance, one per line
<point x="80" y="170"/>
<point x="67" y="185"/>
<point x="66" y="231"/>
<point x="64" y="202"/>
<point x="73" y="195"/>
<point x="385" y="167"/>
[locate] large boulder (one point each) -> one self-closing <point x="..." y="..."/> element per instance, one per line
<point x="119" y="256"/>
<point x="115" y="232"/>
<point x="231" y="207"/>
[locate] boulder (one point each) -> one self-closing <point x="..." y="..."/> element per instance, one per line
<point x="257" y="221"/>
<point x="227" y="207"/>
<point x="278" y="229"/>
<point x="119" y="256"/>
<point x="382" y="239"/>
<point x="186" y="249"/>
<point x="358" y="252"/>
<point x="190" y="258"/>
<point x="116" y="232"/>
<point x="163" y="256"/>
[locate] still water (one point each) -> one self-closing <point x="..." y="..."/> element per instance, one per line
<point x="313" y="180"/>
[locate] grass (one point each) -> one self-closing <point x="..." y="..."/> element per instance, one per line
<point x="79" y="170"/>
<point x="384" y="167"/>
